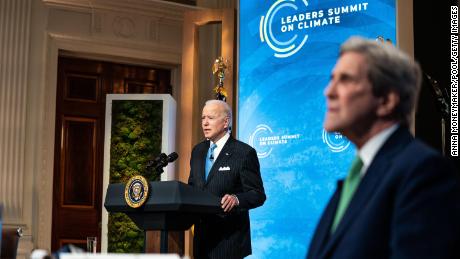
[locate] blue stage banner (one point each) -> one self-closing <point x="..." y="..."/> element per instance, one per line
<point x="287" y="49"/>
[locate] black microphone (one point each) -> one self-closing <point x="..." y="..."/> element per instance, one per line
<point x="173" y="156"/>
<point x="164" y="160"/>
<point x="156" y="161"/>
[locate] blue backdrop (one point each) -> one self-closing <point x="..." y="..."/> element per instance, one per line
<point x="287" y="49"/>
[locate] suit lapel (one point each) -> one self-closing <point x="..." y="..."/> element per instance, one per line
<point x="362" y="195"/>
<point x="224" y="155"/>
<point x="375" y="173"/>
<point x="323" y="230"/>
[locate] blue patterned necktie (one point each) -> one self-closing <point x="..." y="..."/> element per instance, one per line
<point x="348" y="189"/>
<point x="209" y="160"/>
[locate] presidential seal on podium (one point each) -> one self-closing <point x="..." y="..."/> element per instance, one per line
<point x="136" y="191"/>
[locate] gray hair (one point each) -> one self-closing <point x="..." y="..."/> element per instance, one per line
<point x="389" y="69"/>
<point x="226" y="110"/>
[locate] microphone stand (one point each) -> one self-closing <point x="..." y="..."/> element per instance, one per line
<point x="163" y="233"/>
<point x="442" y="99"/>
<point x="158" y="164"/>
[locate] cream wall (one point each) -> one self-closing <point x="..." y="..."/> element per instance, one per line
<point x="16" y="168"/>
<point x="32" y="33"/>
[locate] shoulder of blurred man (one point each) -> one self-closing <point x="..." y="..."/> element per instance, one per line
<point x="410" y="151"/>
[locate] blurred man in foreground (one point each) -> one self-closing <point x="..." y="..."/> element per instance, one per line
<point x="401" y="199"/>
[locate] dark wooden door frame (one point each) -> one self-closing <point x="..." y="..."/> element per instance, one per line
<point x="80" y="107"/>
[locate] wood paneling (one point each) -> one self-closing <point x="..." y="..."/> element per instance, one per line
<point x="77" y="192"/>
<point x="79" y="133"/>
<point x="78" y="162"/>
<point x="81" y="87"/>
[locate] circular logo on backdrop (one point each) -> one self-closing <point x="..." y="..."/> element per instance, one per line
<point x="264" y="140"/>
<point x="283" y="48"/>
<point x="136" y="191"/>
<point x="286" y="25"/>
<point x="260" y="131"/>
<point x="335" y="141"/>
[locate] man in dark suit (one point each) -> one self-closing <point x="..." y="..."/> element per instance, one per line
<point x="229" y="169"/>
<point x="401" y="199"/>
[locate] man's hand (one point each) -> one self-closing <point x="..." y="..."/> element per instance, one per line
<point x="228" y="202"/>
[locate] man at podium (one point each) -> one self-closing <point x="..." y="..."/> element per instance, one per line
<point x="229" y="169"/>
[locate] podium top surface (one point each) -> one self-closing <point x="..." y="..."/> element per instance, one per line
<point x="165" y="196"/>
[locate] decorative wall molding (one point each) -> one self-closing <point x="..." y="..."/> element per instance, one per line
<point x="138" y="50"/>
<point x="154" y="30"/>
<point x="15" y="179"/>
<point x="153" y="8"/>
<point x="130" y="27"/>
<point x="14" y="46"/>
<point x="45" y="147"/>
<point x="123" y="27"/>
<point x="150" y="24"/>
<point x="217" y="4"/>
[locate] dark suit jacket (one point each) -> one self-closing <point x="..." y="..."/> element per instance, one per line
<point x="227" y="236"/>
<point x="406" y="206"/>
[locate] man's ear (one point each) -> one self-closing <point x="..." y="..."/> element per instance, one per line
<point x="388" y="104"/>
<point x="227" y="122"/>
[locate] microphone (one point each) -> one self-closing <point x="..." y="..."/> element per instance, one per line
<point x="156" y="161"/>
<point x="172" y="157"/>
<point x="164" y="160"/>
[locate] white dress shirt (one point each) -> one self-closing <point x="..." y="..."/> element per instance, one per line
<point x="220" y="144"/>
<point x="372" y="146"/>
